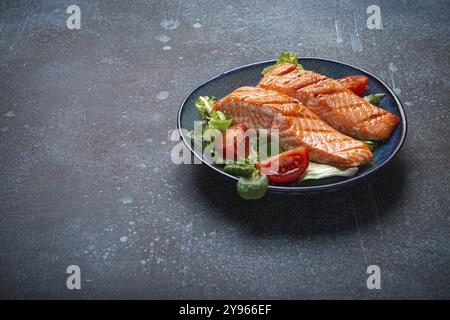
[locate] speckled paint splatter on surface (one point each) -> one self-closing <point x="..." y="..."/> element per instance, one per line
<point x="90" y="132"/>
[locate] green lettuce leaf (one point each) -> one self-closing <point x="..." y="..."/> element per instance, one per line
<point x="204" y="105"/>
<point x="320" y="171"/>
<point x="215" y="119"/>
<point x="371" y="144"/>
<point x="285" y="57"/>
<point x="220" y="124"/>
<point x="374" y="98"/>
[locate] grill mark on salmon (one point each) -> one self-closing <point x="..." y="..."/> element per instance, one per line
<point x="259" y="108"/>
<point x="332" y="102"/>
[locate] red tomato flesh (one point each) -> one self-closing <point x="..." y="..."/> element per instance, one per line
<point x="285" y="167"/>
<point x="357" y="84"/>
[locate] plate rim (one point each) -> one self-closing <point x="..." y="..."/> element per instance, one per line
<point x="304" y="189"/>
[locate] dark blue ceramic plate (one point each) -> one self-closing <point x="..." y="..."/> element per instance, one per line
<point x="250" y="75"/>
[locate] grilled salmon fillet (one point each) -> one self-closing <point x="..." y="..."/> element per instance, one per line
<point x="259" y="108"/>
<point x="332" y="102"/>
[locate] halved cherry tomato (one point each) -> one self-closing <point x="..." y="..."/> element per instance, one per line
<point x="357" y="84"/>
<point x="285" y="167"/>
<point x="235" y="142"/>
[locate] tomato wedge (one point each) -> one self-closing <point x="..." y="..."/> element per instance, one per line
<point x="357" y="84"/>
<point x="234" y="142"/>
<point x="285" y="167"/>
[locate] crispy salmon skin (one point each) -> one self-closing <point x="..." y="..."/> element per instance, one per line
<point x="259" y="108"/>
<point x="332" y="102"/>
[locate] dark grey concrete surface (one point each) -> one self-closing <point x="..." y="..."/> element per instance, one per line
<point x="86" y="176"/>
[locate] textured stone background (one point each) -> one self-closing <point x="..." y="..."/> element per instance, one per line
<point x="86" y="176"/>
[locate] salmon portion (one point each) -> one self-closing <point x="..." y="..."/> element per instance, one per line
<point x="259" y="108"/>
<point x="332" y="102"/>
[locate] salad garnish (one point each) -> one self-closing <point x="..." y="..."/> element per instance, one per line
<point x="285" y="57"/>
<point x="374" y="98"/>
<point x="319" y="171"/>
